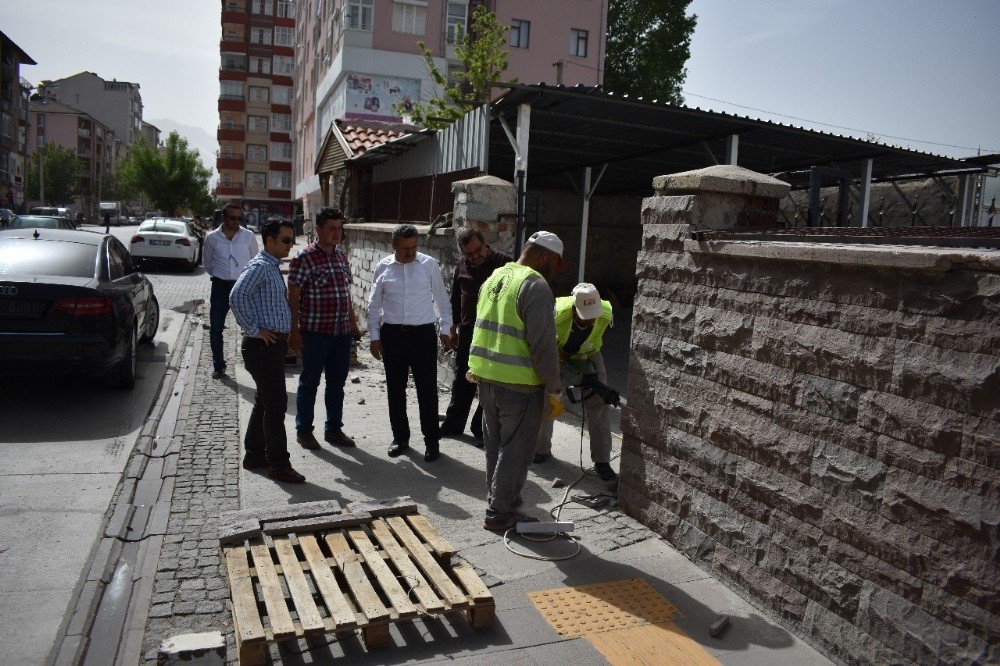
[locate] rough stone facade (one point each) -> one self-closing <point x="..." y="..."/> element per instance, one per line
<point x="824" y="434"/>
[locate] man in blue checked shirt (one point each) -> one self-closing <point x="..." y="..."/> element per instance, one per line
<point x="259" y="302"/>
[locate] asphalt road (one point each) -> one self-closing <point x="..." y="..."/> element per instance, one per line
<point x="67" y="441"/>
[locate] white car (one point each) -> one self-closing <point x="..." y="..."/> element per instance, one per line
<point x="165" y="239"/>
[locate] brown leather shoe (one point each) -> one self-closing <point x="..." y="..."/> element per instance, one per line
<point x="286" y="475"/>
<point x="339" y="438"/>
<point x="307" y="440"/>
<point x="251" y="464"/>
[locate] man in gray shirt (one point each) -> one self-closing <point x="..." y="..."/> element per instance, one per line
<point x="515" y="360"/>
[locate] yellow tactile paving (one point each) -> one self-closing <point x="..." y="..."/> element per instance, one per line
<point x="587" y="609"/>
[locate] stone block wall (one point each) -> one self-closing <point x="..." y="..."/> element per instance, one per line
<point x="820" y="426"/>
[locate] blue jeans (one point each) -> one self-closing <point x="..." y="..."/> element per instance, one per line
<point x="219" y="302"/>
<point x="322" y="353"/>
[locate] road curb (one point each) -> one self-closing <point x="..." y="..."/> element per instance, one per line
<point x="133" y="526"/>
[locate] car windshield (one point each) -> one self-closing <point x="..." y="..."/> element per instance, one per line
<point x="27" y="256"/>
<point x="38" y="222"/>
<point x="165" y="226"/>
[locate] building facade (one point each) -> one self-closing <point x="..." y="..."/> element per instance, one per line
<point x="96" y="146"/>
<point x="14" y="91"/>
<point x="257" y="56"/>
<point x="151" y="133"/>
<point x="358" y="59"/>
<point x="116" y="104"/>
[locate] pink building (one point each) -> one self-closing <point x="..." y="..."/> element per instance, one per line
<point x="358" y="59"/>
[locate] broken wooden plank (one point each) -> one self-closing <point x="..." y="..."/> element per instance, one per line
<point x="298" y="587"/>
<point x="396" y="506"/>
<point x="341" y="610"/>
<point x="435" y="542"/>
<point x="315" y="523"/>
<point x="471" y="582"/>
<point x="448" y="590"/>
<point x="383" y="574"/>
<point x="274" y="597"/>
<point x="349" y="564"/>
<point x="401" y="560"/>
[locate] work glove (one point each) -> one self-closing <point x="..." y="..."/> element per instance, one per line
<point x="556" y="405"/>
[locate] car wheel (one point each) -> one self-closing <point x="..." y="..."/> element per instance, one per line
<point x="152" y="320"/>
<point x="123" y="376"/>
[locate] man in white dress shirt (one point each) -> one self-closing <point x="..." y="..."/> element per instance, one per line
<point x="227" y="251"/>
<point x="408" y="311"/>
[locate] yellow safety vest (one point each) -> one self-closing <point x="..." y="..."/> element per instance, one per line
<point x="499" y="350"/>
<point x="564" y="320"/>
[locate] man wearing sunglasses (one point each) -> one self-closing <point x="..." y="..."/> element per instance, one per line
<point x="260" y="305"/>
<point x="227" y="251"/>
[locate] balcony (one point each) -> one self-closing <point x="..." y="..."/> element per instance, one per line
<point x="83" y="131"/>
<point x="232" y="189"/>
<point x="234" y="16"/>
<point x="231" y="132"/>
<point x="232" y="103"/>
<point x="233" y="45"/>
<point x="229" y="161"/>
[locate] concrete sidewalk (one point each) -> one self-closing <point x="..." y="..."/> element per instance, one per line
<point x="451" y="493"/>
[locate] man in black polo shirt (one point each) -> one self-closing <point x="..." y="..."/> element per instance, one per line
<point x="477" y="263"/>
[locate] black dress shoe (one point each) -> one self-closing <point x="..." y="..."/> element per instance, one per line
<point x="479" y="442"/>
<point x="540" y="458"/>
<point x="307" y="439"/>
<point x="450" y="430"/>
<point x="339" y="438"/>
<point x="396" y="448"/>
<point x="432" y="453"/>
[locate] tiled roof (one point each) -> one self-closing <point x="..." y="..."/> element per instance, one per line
<point x="361" y="135"/>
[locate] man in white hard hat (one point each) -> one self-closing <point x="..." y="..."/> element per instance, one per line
<point x="581" y="320"/>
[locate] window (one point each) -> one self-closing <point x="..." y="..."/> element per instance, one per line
<point x="265" y="7"/>
<point x="227" y="179"/>
<point x="257" y="124"/>
<point x="259" y="94"/>
<point x="458" y="16"/>
<point x="284" y="36"/>
<point x="234" y="62"/>
<point x="284" y="65"/>
<point x="231" y="90"/>
<point x="231" y="36"/>
<point x="358" y="14"/>
<point x="281" y="151"/>
<point x="256" y="153"/>
<point x="286" y="9"/>
<point x="260" y="36"/>
<point x="282" y="95"/>
<point x="409" y="16"/>
<point x="281" y="180"/>
<point x="260" y="66"/>
<point x="578" y="43"/>
<point x="520" y="32"/>
<point x="281" y="122"/>
<point x="257" y="180"/>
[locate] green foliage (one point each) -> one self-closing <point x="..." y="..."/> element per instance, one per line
<point x="648" y="43"/>
<point x="116" y="185"/>
<point x="62" y="171"/>
<point x="483" y="54"/>
<point x="172" y="179"/>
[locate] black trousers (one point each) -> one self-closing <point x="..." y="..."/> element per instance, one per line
<point x="462" y="390"/>
<point x="406" y="348"/>
<point x="265" y="439"/>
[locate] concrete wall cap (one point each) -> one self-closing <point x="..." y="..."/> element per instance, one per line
<point x="463" y="185"/>
<point x="723" y="178"/>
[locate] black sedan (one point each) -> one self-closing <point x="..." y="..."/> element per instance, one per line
<point x="72" y="301"/>
<point x="40" y="222"/>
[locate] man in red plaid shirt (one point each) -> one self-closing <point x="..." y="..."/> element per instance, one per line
<point x="323" y="325"/>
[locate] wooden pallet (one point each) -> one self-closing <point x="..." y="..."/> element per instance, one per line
<point x="302" y="577"/>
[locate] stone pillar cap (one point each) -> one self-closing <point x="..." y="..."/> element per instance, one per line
<point x="460" y="185"/>
<point x="724" y="179"/>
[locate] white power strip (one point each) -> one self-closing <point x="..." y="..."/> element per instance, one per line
<point x="545" y="528"/>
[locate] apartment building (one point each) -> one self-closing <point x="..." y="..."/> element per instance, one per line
<point x="357" y="59"/>
<point x="14" y="91"/>
<point x="116" y="104"/>
<point x="257" y="53"/>
<point x="95" y="144"/>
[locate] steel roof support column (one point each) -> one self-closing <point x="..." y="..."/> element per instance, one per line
<point x="865" y="191"/>
<point x="732" y="148"/>
<point x="588" y="191"/>
<point x="963" y="201"/>
<point x="521" y="170"/>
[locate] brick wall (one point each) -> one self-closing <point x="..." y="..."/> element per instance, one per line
<point x="821" y="428"/>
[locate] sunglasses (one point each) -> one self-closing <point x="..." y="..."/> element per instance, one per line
<point x="287" y="240"/>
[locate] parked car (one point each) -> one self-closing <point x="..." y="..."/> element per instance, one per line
<point x="166" y="239"/>
<point x="72" y="301"/>
<point x="40" y="222"/>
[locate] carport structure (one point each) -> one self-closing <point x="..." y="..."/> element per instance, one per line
<point x="589" y="140"/>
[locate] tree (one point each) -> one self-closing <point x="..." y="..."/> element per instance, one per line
<point x="172" y="179"/>
<point x="61" y="170"/>
<point x="648" y="43"/>
<point x="116" y="186"/>
<point x="483" y="55"/>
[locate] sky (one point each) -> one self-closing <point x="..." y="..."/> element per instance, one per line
<point x="917" y="73"/>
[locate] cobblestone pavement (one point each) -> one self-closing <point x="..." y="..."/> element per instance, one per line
<point x="190" y="590"/>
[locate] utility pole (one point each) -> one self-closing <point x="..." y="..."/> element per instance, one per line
<point x="41" y="175"/>
<point x="559" y="64"/>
